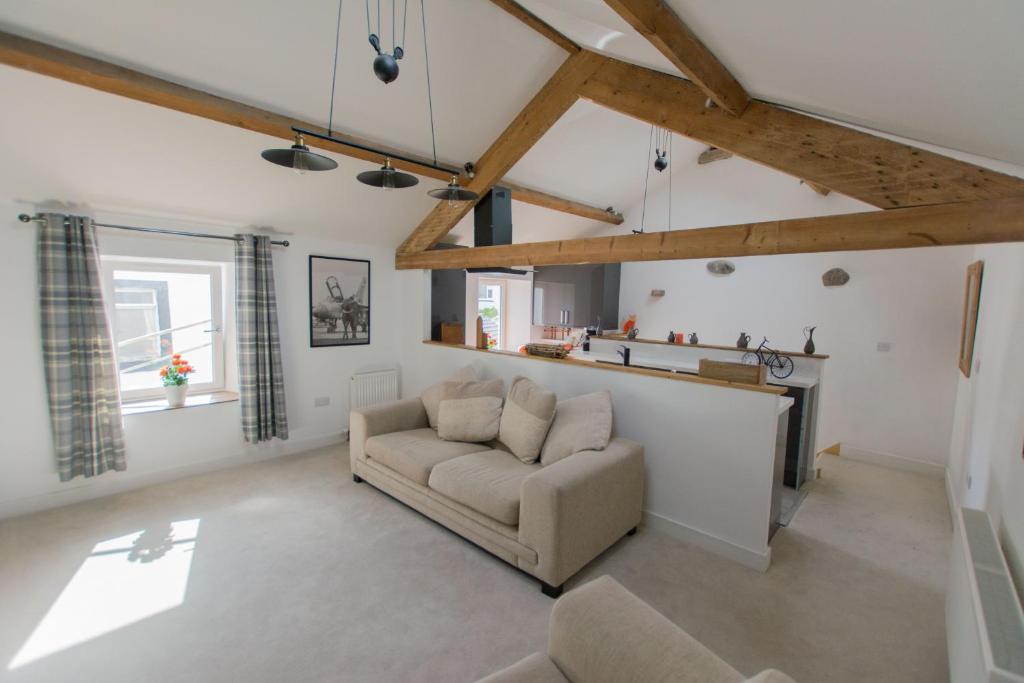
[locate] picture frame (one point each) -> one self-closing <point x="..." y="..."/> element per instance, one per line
<point x="339" y="301"/>
<point x="972" y="302"/>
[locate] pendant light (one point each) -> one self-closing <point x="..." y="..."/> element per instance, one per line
<point x="454" y="193"/>
<point x="385" y="66"/>
<point x="387" y="177"/>
<point x="299" y="158"/>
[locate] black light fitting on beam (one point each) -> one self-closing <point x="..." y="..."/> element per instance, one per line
<point x="299" y="158"/>
<point x="387" y="177"/>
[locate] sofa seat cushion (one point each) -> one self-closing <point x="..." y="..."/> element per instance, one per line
<point x="414" y="453"/>
<point x="488" y="482"/>
<point x="537" y="668"/>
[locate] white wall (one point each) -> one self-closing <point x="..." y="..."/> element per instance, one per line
<point x="897" y="402"/>
<point x="203" y="437"/>
<point x="986" y="452"/>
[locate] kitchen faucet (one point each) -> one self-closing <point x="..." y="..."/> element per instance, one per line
<point x="624" y="352"/>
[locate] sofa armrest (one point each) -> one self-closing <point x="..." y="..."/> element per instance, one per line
<point x="602" y="633"/>
<point x="572" y="510"/>
<point x="383" y="418"/>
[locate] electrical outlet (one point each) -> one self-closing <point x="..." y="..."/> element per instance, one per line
<point x="884" y="347"/>
<point x="321" y="401"/>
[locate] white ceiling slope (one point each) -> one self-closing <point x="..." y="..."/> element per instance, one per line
<point x="485" y="65"/>
<point x="948" y="72"/>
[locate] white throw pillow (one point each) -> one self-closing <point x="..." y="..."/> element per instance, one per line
<point x="431" y="397"/>
<point x="469" y="419"/>
<point x="526" y="417"/>
<point x="582" y="423"/>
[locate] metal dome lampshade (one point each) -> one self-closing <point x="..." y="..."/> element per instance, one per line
<point x="387" y="177"/>
<point x="453" y="192"/>
<point x="299" y="158"/>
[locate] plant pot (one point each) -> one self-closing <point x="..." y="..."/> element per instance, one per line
<point x="176" y="395"/>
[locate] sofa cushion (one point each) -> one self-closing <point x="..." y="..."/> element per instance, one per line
<point x="415" y="452"/>
<point x="431" y="397"/>
<point x="537" y="668"/>
<point x="582" y="423"/>
<point x="469" y="419"/>
<point x="487" y="482"/>
<point x="526" y="417"/>
<point x="472" y="389"/>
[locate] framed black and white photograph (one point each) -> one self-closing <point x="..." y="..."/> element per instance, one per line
<point x="339" y="301"/>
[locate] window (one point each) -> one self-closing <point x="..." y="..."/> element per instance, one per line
<point x="490" y="302"/>
<point x="160" y="307"/>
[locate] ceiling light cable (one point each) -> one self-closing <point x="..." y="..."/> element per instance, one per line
<point x="426" y="60"/>
<point x="647" y="177"/>
<point x="334" y="71"/>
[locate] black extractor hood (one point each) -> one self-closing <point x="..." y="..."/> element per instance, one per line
<point x="492" y="226"/>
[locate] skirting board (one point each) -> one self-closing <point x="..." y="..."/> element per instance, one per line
<point x="118" y="482"/>
<point x="745" y="556"/>
<point x="893" y="461"/>
<point x="951" y="501"/>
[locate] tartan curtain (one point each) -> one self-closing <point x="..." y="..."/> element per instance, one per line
<point x="81" y="373"/>
<point x="260" y="377"/>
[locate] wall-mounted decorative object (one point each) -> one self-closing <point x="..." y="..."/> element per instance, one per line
<point x="693" y="338"/>
<point x="339" y="301"/>
<point x="972" y="300"/>
<point x="671" y="337"/>
<point x="657" y="293"/>
<point x="835" y="277"/>
<point x="721" y="267"/>
<point x="809" y="336"/>
<point x="742" y="342"/>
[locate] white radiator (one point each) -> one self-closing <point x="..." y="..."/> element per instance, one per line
<point x="368" y="388"/>
<point x="984" y="622"/>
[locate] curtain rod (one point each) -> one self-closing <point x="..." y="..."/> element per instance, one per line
<point x="25" y="218"/>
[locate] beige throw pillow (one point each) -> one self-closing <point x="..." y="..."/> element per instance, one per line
<point x="469" y="419"/>
<point x="526" y="417"/>
<point x="431" y="397"/>
<point x="582" y="423"/>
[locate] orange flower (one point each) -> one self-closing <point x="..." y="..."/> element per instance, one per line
<point x="175" y="361"/>
<point x="163" y="372"/>
<point x="177" y="355"/>
<point x="185" y="370"/>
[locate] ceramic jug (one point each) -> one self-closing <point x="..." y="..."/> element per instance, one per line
<point x="809" y="333"/>
<point x="693" y="338"/>
<point x="742" y="342"/>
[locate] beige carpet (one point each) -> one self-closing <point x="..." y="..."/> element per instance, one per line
<point x="294" y="573"/>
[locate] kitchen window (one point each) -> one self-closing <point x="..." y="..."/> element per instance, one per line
<point x="160" y="307"/>
<point x="490" y="307"/>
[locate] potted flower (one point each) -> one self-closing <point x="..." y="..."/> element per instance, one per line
<point x="175" y="380"/>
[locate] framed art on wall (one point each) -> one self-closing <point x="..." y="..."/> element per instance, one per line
<point x="972" y="299"/>
<point x="339" y="301"/>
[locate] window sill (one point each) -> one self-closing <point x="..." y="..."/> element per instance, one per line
<point x="155" y="405"/>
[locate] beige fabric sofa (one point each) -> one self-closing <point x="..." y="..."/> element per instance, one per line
<point x="549" y="520"/>
<point x="602" y="633"/>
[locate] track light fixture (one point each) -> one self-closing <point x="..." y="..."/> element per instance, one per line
<point x="299" y="158"/>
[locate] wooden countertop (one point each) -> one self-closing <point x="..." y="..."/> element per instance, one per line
<point x="638" y="340"/>
<point x="661" y="374"/>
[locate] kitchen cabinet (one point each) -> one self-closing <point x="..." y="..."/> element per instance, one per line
<point x="576" y="296"/>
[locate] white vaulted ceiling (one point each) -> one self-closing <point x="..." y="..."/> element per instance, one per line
<point x="944" y="72"/>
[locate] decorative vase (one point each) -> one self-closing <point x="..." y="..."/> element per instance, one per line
<point x="809" y="346"/>
<point x="742" y="342"/>
<point x="176" y="395"/>
<point x="693" y="338"/>
<point x="671" y="337"/>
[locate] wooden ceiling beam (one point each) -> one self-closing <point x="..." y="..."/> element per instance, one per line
<point x="655" y="21"/>
<point x="980" y="222"/>
<point x="872" y="169"/>
<point x="537" y="24"/>
<point x="713" y="154"/>
<point x="549" y="201"/>
<point x="546" y="107"/>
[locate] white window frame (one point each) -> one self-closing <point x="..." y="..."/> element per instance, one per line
<point x="216" y="271"/>
<point x="503" y="320"/>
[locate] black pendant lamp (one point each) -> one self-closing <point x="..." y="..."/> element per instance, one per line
<point x="385" y="65"/>
<point x="453" y="193"/>
<point x="299" y="158"/>
<point x="387" y="177"/>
